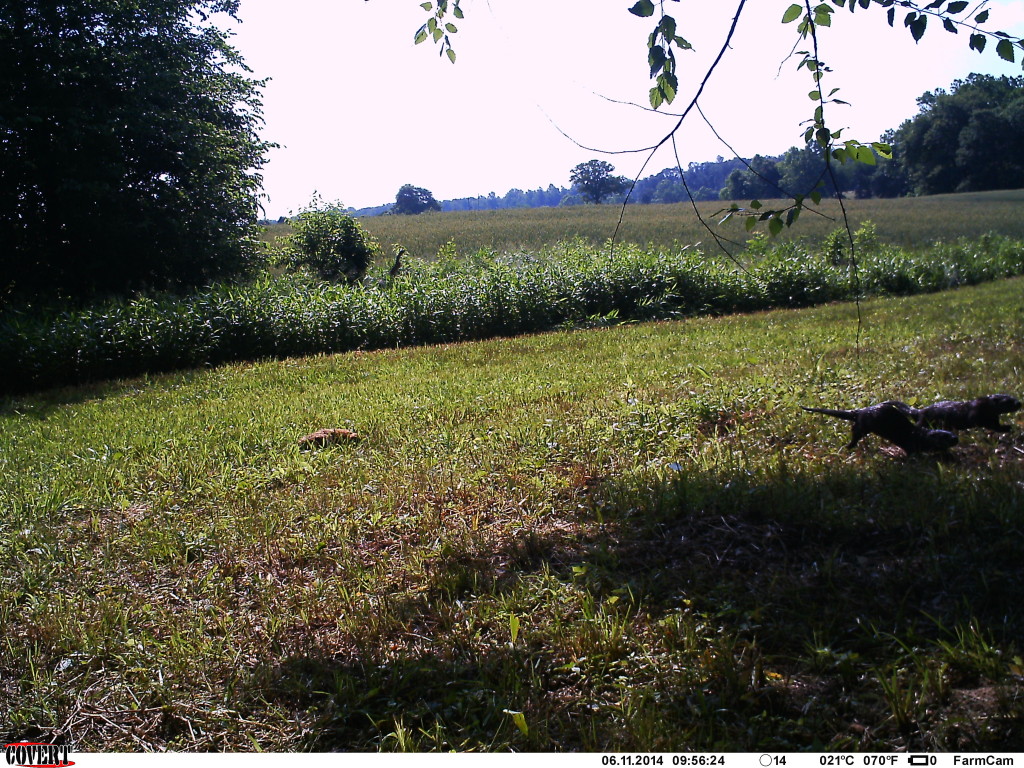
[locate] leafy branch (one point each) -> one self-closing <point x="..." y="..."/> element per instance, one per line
<point x="437" y="28"/>
<point x="661" y="45"/>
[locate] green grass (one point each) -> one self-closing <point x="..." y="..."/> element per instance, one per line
<point x="628" y="538"/>
<point x="904" y="221"/>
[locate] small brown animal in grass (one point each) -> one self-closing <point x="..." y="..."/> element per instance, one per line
<point x="889" y="421"/>
<point x="324" y="437"/>
<point x="965" y="414"/>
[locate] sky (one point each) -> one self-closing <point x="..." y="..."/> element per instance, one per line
<point x="359" y="110"/>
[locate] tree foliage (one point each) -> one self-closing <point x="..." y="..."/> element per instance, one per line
<point x="412" y="200"/>
<point x="968" y="139"/>
<point x="128" y="147"/>
<point x="594" y="180"/>
<point x="329" y="242"/>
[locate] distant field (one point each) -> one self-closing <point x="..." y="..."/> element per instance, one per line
<point x="905" y="221"/>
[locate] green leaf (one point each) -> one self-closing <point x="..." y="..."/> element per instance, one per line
<point x="451" y="55"/>
<point x="643" y="8"/>
<point x="950" y="26"/>
<point x="774" y="226"/>
<point x="451" y="28"/>
<point x="668" y="84"/>
<point x="657" y="97"/>
<point x="884" y="150"/>
<point x="865" y="155"/>
<point x="957" y="7"/>
<point x="977" y="43"/>
<point x="816" y="197"/>
<point x="513" y="626"/>
<point x="755" y="204"/>
<point x="421" y="35"/>
<point x="520" y="720"/>
<point x="917" y="23"/>
<point x="1005" y="50"/>
<point x="667" y="27"/>
<point x="750" y="223"/>
<point x="981" y="18"/>
<point x="814" y="95"/>
<point x="792" y="13"/>
<point x="426" y="6"/>
<point x="656" y="58"/>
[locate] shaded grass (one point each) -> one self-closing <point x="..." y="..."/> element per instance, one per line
<point x="691" y="562"/>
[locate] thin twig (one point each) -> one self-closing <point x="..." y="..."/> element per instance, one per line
<point x="854" y="270"/>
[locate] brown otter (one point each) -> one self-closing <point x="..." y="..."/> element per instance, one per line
<point x="965" y="414"/>
<point x="324" y="437"/>
<point x="888" y="420"/>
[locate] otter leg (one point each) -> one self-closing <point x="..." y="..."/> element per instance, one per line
<point x="858" y="433"/>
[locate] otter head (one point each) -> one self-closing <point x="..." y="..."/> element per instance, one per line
<point x="941" y="439"/>
<point x="1004" y="403"/>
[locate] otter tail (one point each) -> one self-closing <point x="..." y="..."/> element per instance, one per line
<point x="848" y="415"/>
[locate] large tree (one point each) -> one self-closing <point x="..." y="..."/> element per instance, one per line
<point x="594" y="181"/>
<point x="412" y="200"/>
<point x="968" y="139"/>
<point x="128" y="148"/>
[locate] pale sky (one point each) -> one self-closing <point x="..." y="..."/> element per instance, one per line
<point x="359" y="110"/>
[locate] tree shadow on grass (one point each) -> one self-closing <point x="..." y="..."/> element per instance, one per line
<point x="828" y="579"/>
<point x="916" y="542"/>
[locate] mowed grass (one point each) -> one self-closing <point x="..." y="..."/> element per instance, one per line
<point x="906" y="222"/>
<point x="628" y="538"/>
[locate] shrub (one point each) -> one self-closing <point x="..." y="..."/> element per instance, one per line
<point x="330" y="243"/>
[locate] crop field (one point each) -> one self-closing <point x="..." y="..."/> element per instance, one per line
<point x="621" y="538"/>
<point x="904" y="221"/>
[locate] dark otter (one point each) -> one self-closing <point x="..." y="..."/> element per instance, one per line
<point x="888" y="420"/>
<point x="965" y="414"/>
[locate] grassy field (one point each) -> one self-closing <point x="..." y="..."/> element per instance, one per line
<point x="628" y="538"/>
<point x="905" y="221"/>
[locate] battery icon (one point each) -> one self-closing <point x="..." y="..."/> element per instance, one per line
<point x="921" y="760"/>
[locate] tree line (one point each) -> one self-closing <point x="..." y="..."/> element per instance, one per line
<point x="969" y="138"/>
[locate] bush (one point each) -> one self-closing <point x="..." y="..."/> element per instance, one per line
<point x="330" y="243"/>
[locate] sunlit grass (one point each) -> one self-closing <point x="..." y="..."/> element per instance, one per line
<point x="627" y="538"/>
